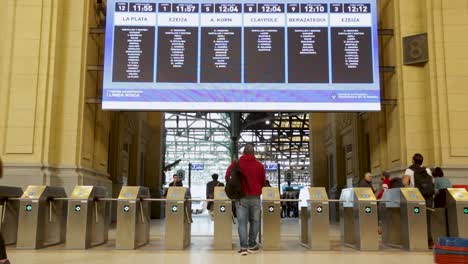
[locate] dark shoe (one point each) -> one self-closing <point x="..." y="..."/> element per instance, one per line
<point x="253" y="249"/>
<point x="243" y="252"/>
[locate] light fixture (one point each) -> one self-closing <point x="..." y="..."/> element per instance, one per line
<point x="267" y="122"/>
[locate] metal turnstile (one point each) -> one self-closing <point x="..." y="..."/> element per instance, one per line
<point x="133" y="217"/>
<point x="222" y="220"/>
<point x="9" y="210"/>
<point x="404" y="219"/>
<point x="457" y="212"/>
<point x="358" y="212"/>
<point x="178" y="219"/>
<point x="88" y="219"/>
<point x="271" y="218"/>
<point x="413" y="220"/>
<point x="41" y="217"/>
<point x="390" y="215"/>
<point x="318" y="222"/>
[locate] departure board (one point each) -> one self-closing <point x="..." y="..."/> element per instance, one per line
<point x="241" y="55"/>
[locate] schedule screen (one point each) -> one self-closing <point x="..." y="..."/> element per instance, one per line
<point x="237" y="56"/>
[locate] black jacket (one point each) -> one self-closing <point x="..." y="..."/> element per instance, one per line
<point x="365" y="184"/>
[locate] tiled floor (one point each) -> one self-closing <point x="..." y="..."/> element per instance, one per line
<point x="201" y="251"/>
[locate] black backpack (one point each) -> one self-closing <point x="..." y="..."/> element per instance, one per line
<point x="423" y="181"/>
<point x="396" y="183"/>
<point x="233" y="187"/>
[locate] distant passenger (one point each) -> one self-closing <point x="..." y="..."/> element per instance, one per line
<point x="416" y="168"/>
<point x="248" y="207"/>
<point x="210" y="187"/>
<point x="267" y="183"/>
<point x="176" y="182"/>
<point x="421" y="178"/>
<point x="366" y="182"/>
<point x="441" y="185"/>
<point x="440" y="181"/>
<point x="385" y="184"/>
<point x="3" y="255"/>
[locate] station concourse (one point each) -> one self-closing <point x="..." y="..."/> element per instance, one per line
<point x="116" y="114"/>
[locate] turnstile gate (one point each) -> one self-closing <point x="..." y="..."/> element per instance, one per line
<point x="271" y="218"/>
<point x="9" y="210"/>
<point x="457" y="212"/>
<point x="88" y="217"/>
<point x="222" y="220"/>
<point x="404" y="220"/>
<point x="178" y="219"/>
<point x="133" y="217"/>
<point x="358" y="213"/>
<point x="42" y="217"/>
<point x="318" y="222"/>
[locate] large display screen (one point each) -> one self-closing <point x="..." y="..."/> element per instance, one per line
<point x="242" y="55"/>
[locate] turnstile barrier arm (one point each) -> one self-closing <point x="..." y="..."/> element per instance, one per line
<point x="51" y="203"/>
<point x="3" y="213"/>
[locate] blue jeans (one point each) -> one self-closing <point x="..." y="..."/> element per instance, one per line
<point x="248" y="213"/>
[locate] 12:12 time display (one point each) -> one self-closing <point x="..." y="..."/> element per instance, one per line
<point x="357" y="8"/>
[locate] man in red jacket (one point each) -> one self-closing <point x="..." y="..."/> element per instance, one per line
<point x="249" y="207"/>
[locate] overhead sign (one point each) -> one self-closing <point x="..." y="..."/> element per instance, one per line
<point x="271" y="166"/>
<point x="204" y="55"/>
<point x="197" y="166"/>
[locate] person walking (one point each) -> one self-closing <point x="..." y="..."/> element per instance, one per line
<point x="249" y="206"/>
<point x="3" y="255"/>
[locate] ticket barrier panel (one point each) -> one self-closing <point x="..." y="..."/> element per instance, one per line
<point x="133" y="217"/>
<point x="178" y="219"/>
<point x="42" y="217"/>
<point x="457" y="212"/>
<point x="359" y="218"/>
<point x="413" y="220"/>
<point x="271" y="218"/>
<point x="318" y="222"/>
<point x="404" y="219"/>
<point x="390" y="215"/>
<point x="9" y="211"/>
<point x="88" y="219"/>
<point x="222" y="220"/>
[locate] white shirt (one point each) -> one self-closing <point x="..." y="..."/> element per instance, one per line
<point x="410" y="172"/>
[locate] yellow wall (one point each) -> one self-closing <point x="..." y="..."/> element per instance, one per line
<point x="49" y="132"/>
